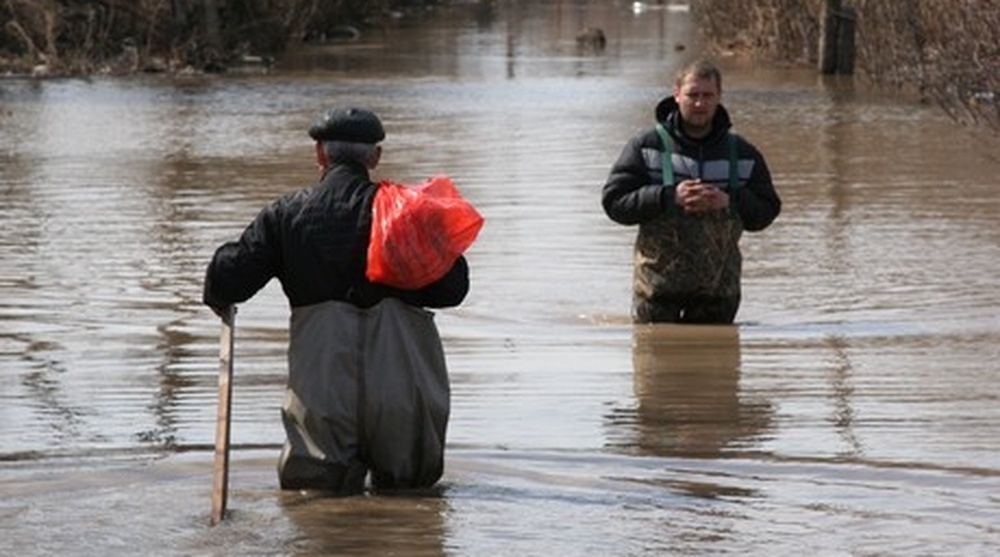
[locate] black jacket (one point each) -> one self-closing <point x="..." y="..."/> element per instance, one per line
<point x="635" y="193"/>
<point x="315" y="241"/>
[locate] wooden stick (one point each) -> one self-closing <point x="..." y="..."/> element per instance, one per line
<point x="220" y="480"/>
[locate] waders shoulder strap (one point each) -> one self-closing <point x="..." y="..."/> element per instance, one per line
<point x="734" y="172"/>
<point x="668" y="149"/>
<point x="734" y="169"/>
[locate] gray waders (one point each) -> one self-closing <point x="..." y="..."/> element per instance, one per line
<point x="367" y="392"/>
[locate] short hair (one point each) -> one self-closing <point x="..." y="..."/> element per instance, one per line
<point x="338" y="152"/>
<point x="700" y="69"/>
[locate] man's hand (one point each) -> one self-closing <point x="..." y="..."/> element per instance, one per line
<point x="697" y="197"/>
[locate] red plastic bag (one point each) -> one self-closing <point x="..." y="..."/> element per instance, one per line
<point x="418" y="232"/>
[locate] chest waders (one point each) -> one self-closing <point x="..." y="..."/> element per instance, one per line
<point x="678" y="254"/>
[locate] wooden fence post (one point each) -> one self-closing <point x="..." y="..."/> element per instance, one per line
<point x="212" y="25"/>
<point x="828" y="38"/>
<point x="846" y="25"/>
<point x="836" y="39"/>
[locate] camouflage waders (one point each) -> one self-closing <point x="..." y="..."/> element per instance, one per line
<point x="687" y="267"/>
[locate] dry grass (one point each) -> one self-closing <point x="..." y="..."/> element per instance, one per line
<point x="941" y="51"/>
<point x="92" y="36"/>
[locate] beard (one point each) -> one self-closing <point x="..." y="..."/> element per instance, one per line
<point x="698" y="125"/>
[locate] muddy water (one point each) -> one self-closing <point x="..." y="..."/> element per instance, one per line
<point x="852" y="411"/>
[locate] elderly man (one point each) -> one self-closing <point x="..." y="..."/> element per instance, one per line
<point x="693" y="187"/>
<point x="367" y="390"/>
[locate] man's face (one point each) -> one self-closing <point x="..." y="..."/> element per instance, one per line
<point x="698" y="99"/>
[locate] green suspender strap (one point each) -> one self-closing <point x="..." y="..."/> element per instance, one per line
<point x="668" y="149"/>
<point x="734" y="167"/>
<point x="668" y="166"/>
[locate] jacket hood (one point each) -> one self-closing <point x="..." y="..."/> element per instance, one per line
<point x="668" y="113"/>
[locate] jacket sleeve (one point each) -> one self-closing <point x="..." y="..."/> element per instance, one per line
<point x="448" y="291"/>
<point x="757" y="202"/>
<point x="239" y="269"/>
<point x="629" y="196"/>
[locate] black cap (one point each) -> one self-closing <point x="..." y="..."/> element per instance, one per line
<point x="358" y="125"/>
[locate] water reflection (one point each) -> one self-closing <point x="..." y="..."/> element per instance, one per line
<point x="842" y="387"/>
<point x="687" y="394"/>
<point x="366" y="525"/>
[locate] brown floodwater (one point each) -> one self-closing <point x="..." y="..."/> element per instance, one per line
<point x="853" y="410"/>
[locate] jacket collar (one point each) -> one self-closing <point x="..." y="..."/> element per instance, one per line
<point x="344" y="170"/>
